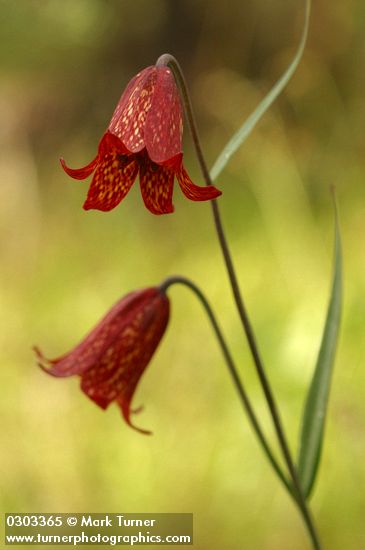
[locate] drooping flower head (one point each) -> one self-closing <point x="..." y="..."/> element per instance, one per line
<point x="145" y="137"/>
<point x="112" y="358"/>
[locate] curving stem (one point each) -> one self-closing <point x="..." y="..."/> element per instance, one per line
<point x="169" y="60"/>
<point x="233" y="371"/>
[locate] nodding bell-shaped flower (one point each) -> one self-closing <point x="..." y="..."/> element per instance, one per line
<point x="145" y="137"/>
<point x="112" y="358"/>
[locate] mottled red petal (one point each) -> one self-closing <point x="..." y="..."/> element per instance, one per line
<point x="92" y="347"/>
<point x="195" y="192"/>
<point x="115" y="125"/>
<point x="113" y="357"/>
<point x="129" y="117"/>
<point x="110" y="143"/>
<point x="152" y="328"/>
<point x="112" y="180"/>
<point x="117" y="372"/>
<point x="157" y="183"/>
<point x="163" y="129"/>
<point x="80" y="173"/>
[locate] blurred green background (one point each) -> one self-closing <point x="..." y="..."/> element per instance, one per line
<point x="63" y="66"/>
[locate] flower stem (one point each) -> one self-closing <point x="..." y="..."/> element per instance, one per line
<point x="169" y="60"/>
<point x="233" y="371"/>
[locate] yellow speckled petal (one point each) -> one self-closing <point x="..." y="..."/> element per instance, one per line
<point x="112" y="180"/>
<point x="156" y="187"/>
<point x="129" y="117"/>
<point x="195" y="192"/>
<point x="80" y="173"/>
<point x="163" y="128"/>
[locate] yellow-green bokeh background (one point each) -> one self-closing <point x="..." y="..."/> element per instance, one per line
<point x="63" y="66"/>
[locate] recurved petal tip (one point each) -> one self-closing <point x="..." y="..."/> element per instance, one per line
<point x="80" y="173"/>
<point x="44" y="363"/>
<point x="60" y="367"/>
<point x="126" y="412"/>
<point x="195" y="192"/>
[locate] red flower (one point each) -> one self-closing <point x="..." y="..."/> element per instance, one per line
<point x="114" y="355"/>
<point x="143" y="136"/>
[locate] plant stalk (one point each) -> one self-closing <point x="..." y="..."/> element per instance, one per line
<point x="233" y="371"/>
<point x="169" y="60"/>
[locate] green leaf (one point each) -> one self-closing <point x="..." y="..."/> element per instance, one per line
<point x="314" y="414"/>
<point x="244" y="131"/>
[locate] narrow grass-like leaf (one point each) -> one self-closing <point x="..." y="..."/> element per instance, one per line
<point x="244" y="131"/>
<point x="314" y="414"/>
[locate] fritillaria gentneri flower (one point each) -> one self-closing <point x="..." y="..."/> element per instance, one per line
<point x="145" y="137"/>
<point x="112" y="358"/>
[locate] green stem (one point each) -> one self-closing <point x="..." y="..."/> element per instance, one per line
<point x="169" y="60"/>
<point x="233" y="371"/>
